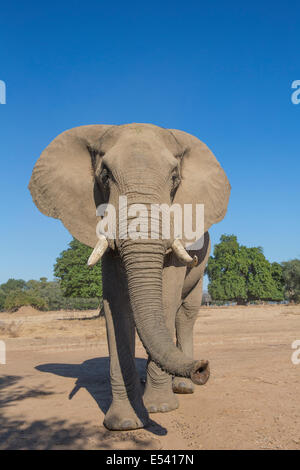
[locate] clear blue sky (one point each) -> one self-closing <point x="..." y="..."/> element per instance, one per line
<point x="220" y="70"/>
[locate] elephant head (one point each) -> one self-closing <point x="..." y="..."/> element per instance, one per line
<point x="89" y="165"/>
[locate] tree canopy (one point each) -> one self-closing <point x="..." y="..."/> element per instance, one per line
<point x="76" y="279"/>
<point x="291" y="276"/>
<point x="242" y="274"/>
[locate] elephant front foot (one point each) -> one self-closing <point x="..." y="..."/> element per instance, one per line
<point x="122" y="416"/>
<point x="160" y="401"/>
<point x="182" y="385"/>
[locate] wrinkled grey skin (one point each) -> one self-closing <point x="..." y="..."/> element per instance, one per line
<point x="181" y="294"/>
<point x="145" y="287"/>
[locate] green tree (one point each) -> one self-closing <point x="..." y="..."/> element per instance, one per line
<point x="277" y="275"/>
<point x="76" y="279"/>
<point x="13" y="284"/>
<point x="291" y="276"/>
<point x="241" y="274"/>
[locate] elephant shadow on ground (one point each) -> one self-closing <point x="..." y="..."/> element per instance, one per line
<point x="93" y="375"/>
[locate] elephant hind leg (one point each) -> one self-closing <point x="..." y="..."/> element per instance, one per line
<point x="187" y="313"/>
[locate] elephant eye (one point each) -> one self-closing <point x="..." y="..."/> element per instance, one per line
<point x="105" y="175"/>
<point x="175" y="176"/>
<point x="175" y="181"/>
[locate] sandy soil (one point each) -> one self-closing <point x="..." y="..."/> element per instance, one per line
<point x="45" y="325"/>
<point x="57" y="400"/>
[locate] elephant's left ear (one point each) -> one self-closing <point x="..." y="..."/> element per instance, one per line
<point x="203" y="179"/>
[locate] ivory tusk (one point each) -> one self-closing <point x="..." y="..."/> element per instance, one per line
<point x="98" y="251"/>
<point x="183" y="255"/>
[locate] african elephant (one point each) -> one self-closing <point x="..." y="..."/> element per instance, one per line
<point x="149" y="284"/>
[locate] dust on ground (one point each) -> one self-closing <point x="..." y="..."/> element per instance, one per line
<point x="57" y="399"/>
<point x="28" y="322"/>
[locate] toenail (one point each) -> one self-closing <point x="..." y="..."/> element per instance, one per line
<point x="152" y="409"/>
<point x="127" y="424"/>
<point x="164" y="407"/>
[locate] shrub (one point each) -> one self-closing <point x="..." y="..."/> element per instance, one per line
<point x="17" y="299"/>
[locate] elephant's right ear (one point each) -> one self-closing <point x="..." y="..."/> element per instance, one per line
<point x="62" y="184"/>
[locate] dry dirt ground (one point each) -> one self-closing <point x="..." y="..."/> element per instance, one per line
<point x="55" y="398"/>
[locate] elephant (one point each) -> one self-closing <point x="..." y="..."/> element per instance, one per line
<point x="150" y="285"/>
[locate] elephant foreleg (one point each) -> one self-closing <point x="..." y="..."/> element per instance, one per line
<point x="127" y="410"/>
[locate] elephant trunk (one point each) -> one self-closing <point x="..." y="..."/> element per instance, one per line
<point x="143" y="261"/>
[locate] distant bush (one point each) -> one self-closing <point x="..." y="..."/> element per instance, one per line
<point x="52" y="293"/>
<point x="16" y="299"/>
<point x="42" y="295"/>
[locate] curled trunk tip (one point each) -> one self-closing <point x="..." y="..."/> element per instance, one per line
<point x="200" y="372"/>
